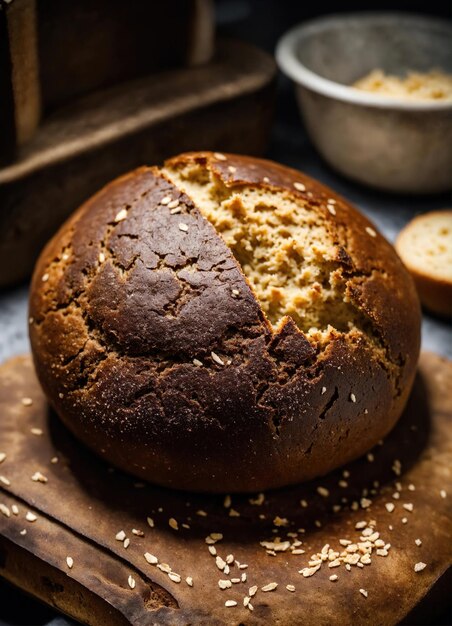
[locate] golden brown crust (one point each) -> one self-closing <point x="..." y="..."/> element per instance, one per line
<point x="126" y="306"/>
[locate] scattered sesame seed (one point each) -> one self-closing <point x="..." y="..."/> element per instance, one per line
<point x="45" y="278"/>
<point x="164" y="567"/>
<point x="212" y="550"/>
<point x="23" y="532"/>
<point x="266" y="179"/>
<point x="418" y="542"/>
<point x="408" y="506"/>
<point x="397" y="467"/>
<point x="131" y="582"/>
<point x="235" y="292"/>
<point x="150" y="558"/>
<point x="323" y="390"/>
<point x="69" y="561"/>
<point x="360" y="525"/>
<point x="232" y="169"/>
<point x="346" y="474"/>
<point x="290" y="587"/>
<point x="304" y="504"/>
<point x="174" y="577"/>
<point x="227" y="501"/>
<point x="258" y="501"/>
<point x="197" y="362"/>
<point x="165" y="200"/>
<point x="27" y="401"/>
<point x="101" y="257"/>
<point x="404" y="520"/>
<point x="363" y="592"/>
<point x="419" y="566"/>
<point x="220" y="563"/>
<point x="370" y="457"/>
<point x="2" y="457"/>
<point x="323" y="491"/>
<point x="230" y="603"/>
<point x="216" y="358"/>
<point x="36" y="431"/>
<point x="269" y="587"/>
<point x="201" y="513"/>
<point x="31" y="517"/>
<point x="235" y="581"/>
<point x="365" y="503"/>
<point x="352" y="397"/>
<point x="280" y="521"/>
<point x="183" y="227"/>
<point x="233" y="513"/>
<point x="411" y="487"/>
<point x="137" y="532"/>
<point x="443" y="493"/>
<point x="189" y="581"/>
<point x="343" y="484"/>
<point x="15" y="509"/>
<point x="299" y="186"/>
<point x="390" y="506"/>
<point x="334" y="577"/>
<point x="39" y="478"/>
<point x="246" y="600"/>
<point x="396" y="495"/>
<point x="121" y="215"/>
<point x="126" y="543"/>
<point x="309" y="571"/>
<point x="120" y="536"/>
<point x="173" y="523"/>
<point x="370" y="231"/>
<point x="173" y="204"/>
<point x="4" y="510"/>
<point x="243" y="577"/>
<point x="5" y="481"/>
<point x="150" y="522"/>
<point x="331" y="209"/>
<point x="219" y="156"/>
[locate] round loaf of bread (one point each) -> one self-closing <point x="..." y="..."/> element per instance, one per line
<point x="223" y="324"/>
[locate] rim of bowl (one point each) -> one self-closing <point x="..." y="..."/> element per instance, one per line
<point x="294" y="69"/>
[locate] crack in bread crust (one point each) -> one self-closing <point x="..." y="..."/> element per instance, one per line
<point x="157" y="350"/>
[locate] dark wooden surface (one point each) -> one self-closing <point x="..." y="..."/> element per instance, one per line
<point x="84" y="504"/>
<point x="226" y="104"/>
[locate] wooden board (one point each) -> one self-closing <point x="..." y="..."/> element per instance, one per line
<point x="84" y="504"/>
<point x="225" y="104"/>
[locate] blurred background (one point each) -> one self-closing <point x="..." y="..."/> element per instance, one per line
<point x="61" y="138"/>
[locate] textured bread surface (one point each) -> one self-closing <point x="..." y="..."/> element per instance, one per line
<point x="425" y="246"/>
<point x="223" y="323"/>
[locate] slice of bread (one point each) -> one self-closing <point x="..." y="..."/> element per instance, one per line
<point x="425" y="246"/>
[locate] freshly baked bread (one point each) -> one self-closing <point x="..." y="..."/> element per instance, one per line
<point x="425" y="246"/>
<point x="223" y="323"/>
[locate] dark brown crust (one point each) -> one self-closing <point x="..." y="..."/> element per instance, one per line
<point x="114" y="345"/>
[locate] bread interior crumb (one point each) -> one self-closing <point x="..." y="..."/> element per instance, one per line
<point x="284" y="247"/>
